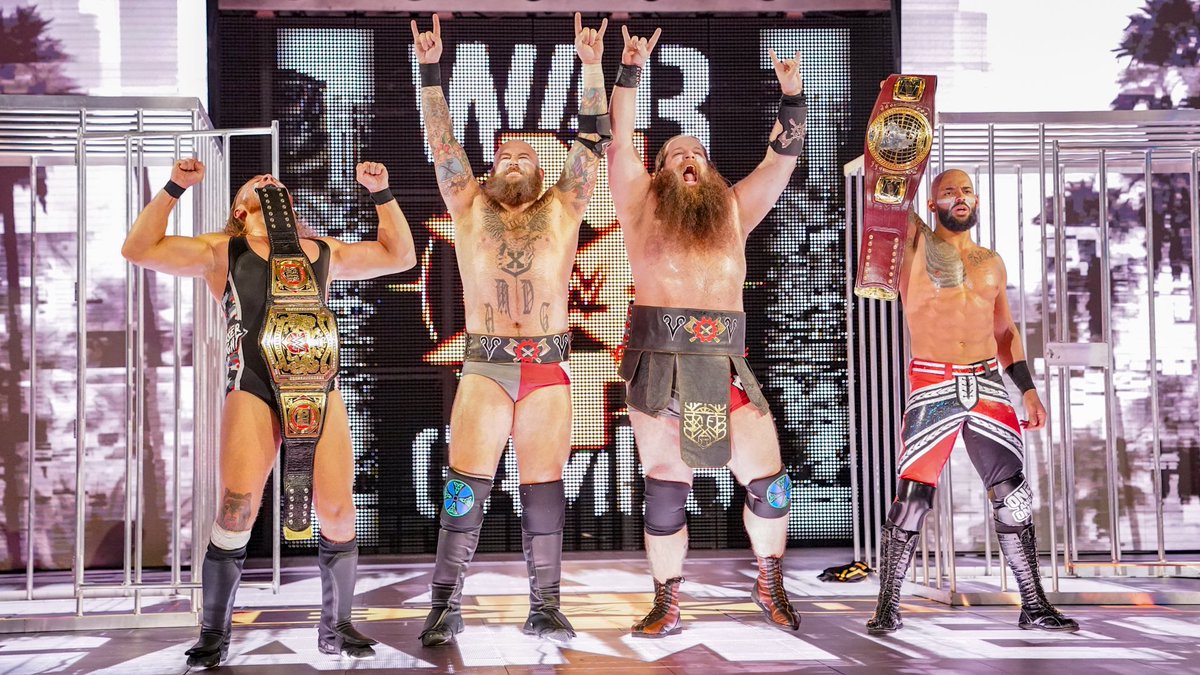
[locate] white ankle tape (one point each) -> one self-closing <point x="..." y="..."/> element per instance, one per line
<point x="230" y="541"/>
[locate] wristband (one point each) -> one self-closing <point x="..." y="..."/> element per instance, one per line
<point x="793" y="110"/>
<point x="382" y="197"/>
<point x="174" y="189"/>
<point x="1018" y="372"/>
<point x="629" y="76"/>
<point x="431" y="75"/>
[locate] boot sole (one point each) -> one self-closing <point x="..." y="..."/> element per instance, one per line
<point x="654" y="636"/>
<point x="1047" y="629"/>
<point x="883" y="631"/>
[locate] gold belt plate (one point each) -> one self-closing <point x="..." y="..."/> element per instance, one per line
<point x="303" y="413"/>
<point x="899" y="138"/>
<point x="300" y="343"/>
<point x="292" y="278"/>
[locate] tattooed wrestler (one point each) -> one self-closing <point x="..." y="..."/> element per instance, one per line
<point x="962" y="332"/>
<point x="693" y="400"/>
<point x="233" y="264"/>
<point x="516" y="246"/>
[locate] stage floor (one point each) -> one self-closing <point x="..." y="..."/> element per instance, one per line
<point x="603" y="595"/>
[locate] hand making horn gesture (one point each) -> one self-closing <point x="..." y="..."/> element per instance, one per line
<point x="637" y="49"/>
<point x="788" y="72"/>
<point x="589" y="42"/>
<point x="429" y="45"/>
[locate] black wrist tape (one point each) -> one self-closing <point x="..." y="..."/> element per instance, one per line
<point x="431" y="75"/>
<point x="1019" y="373"/>
<point x="382" y="197"/>
<point x="629" y="76"/>
<point x="792" y="115"/>
<point x="174" y="189"/>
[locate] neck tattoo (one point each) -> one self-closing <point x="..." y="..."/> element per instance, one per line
<point x="943" y="264"/>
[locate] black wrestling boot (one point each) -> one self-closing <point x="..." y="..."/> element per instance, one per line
<point x="219" y="583"/>
<point x="543" y="559"/>
<point x="896" y="548"/>
<point x="338" y="563"/>
<point x="444" y="621"/>
<point x="1020" y="550"/>
<point x="771" y="597"/>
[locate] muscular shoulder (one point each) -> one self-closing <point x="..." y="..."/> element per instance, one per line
<point x="984" y="258"/>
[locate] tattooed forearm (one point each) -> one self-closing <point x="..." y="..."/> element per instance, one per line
<point x="502" y="297"/>
<point x="545" y="317"/>
<point x="236" y="514"/>
<point x="942" y="262"/>
<point x="449" y="158"/>
<point x="526" y="296"/>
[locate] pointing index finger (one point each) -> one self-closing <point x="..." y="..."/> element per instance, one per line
<point x="654" y="39"/>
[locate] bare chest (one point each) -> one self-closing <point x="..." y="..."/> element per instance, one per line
<point x="942" y="275"/>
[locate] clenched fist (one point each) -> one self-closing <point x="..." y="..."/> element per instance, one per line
<point x="187" y="172"/>
<point x="427" y="44"/>
<point x="372" y="175"/>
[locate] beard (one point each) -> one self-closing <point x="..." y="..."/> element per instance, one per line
<point x="513" y="192"/>
<point x="692" y="214"/>
<point x="953" y="224"/>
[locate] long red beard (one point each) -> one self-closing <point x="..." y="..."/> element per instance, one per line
<point x="692" y="215"/>
<point x="514" y="193"/>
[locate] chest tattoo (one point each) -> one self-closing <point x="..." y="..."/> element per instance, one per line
<point x="517" y="234"/>
<point x="942" y="262"/>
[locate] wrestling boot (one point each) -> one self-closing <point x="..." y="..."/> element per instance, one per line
<point x="896" y="549"/>
<point x="444" y="621"/>
<point x="219" y="583"/>
<point x="338" y="563"/>
<point x="543" y="558"/>
<point x="1020" y="550"/>
<point x="663" y="619"/>
<point x="771" y="597"/>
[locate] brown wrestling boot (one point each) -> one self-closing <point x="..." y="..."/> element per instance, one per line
<point x="663" y="619"/>
<point x="771" y="597"/>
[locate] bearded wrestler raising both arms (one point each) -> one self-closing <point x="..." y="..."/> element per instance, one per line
<point x="962" y="334"/>
<point x="234" y="265"/>
<point x="516" y="247"/>
<point x="693" y="400"/>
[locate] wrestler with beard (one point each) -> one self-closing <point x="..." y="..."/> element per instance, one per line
<point x="515" y="247"/>
<point x="693" y="401"/>
<point x="961" y="334"/>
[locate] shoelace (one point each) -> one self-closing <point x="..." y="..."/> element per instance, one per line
<point x="774" y="578"/>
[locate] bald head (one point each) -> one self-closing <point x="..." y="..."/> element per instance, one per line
<point x="952" y="196"/>
<point x="515" y="149"/>
<point x="957" y="177"/>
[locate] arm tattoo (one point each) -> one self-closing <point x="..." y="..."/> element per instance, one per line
<point x="235" y="513"/>
<point x="517" y="234"/>
<point x="489" y="321"/>
<point x="545" y="317"/>
<point x="578" y="177"/>
<point x="502" y="297"/>
<point x="449" y="158"/>
<point x="980" y="256"/>
<point x="943" y="264"/>
<point x="526" y="296"/>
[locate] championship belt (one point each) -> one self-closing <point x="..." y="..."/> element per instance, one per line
<point x="899" y="137"/>
<point x="299" y="341"/>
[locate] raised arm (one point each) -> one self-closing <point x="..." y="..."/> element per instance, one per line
<point x="627" y="177"/>
<point x="149" y="246"/>
<point x="392" y="251"/>
<point x="756" y="194"/>
<point x="455" y="180"/>
<point x="579" y="173"/>
<point x="1011" y="351"/>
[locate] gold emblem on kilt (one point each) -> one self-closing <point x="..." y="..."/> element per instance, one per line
<point x="899" y="139"/>
<point x="704" y="329"/>
<point x="303" y="413"/>
<point x="300" y="343"/>
<point x="292" y="277"/>
<point x="705" y="423"/>
<point x="909" y="89"/>
<point x="890" y="189"/>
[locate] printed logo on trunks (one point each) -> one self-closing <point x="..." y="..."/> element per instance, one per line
<point x="673" y="322"/>
<point x="967" y="390"/>
<point x="527" y="351"/>
<point x="1020" y="503"/>
<point x="489" y="344"/>
<point x="705" y="423"/>
<point x="779" y="493"/>
<point x="458" y="498"/>
<point x="705" y="329"/>
<point x="233" y="345"/>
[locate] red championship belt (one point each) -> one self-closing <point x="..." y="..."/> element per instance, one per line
<point x="899" y="137"/>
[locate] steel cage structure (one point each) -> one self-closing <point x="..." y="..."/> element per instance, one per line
<point x="1003" y="151"/>
<point x="133" y="135"/>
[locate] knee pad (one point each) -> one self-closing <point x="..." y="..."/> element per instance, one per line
<point x="913" y="502"/>
<point x="1012" y="504"/>
<point x="771" y="496"/>
<point x="543" y="507"/>
<point x="226" y="540"/>
<point x="666" y="506"/>
<point x="463" y="497"/>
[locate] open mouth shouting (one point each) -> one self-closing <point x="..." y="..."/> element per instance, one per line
<point x="691" y="175"/>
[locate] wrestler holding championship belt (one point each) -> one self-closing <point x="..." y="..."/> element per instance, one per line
<point x="955" y="297"/>
<point x="899" y="137"/>
<point x="515" y="247"/>
<point x="281" y="358"/>
<point x="693" y="401"/>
